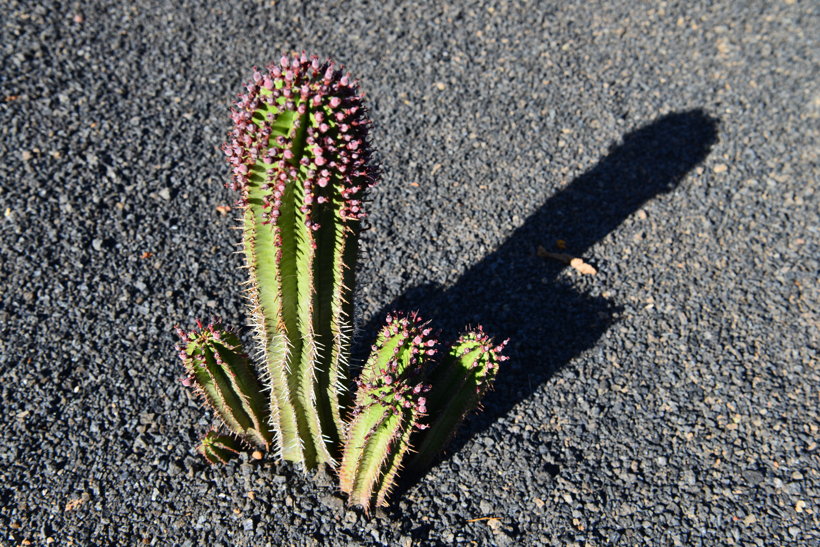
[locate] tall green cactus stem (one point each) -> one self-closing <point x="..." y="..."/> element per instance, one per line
<point x="220" y="371"/>
<point x="459" y="383"/>
<point x="218" y="448"/>
<point x="390" y="402"/>
<point x="301" y="161"/>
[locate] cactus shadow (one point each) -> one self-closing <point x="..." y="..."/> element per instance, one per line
<point x="517" y="295"/>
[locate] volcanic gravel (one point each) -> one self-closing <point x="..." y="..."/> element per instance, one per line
<point x="672" y="398"/>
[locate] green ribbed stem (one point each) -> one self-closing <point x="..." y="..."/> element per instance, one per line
<point x="390" y="403"/>
<point x="300" y="159"/>
<point x="458" y="385"/>
<point x="220" y="371"/>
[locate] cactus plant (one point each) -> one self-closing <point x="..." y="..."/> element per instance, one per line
<point x="301" y="161"/>
<point x="458" y="383"/>
<point x="390" y="402"/>
<point x="219" y="369"/>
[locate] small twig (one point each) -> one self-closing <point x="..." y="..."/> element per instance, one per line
<point x="576" y="263"/>
<point x="484" y="518"/>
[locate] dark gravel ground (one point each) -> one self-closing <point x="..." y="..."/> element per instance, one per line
<point x="670" y="399"/>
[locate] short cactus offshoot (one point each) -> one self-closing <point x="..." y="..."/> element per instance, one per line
<point x="301" y="161"/>
<point x="459" y="383"/>
<point x="219" y="369"/>
<point x="390" y="403"/>
<point x="217" y="448"/>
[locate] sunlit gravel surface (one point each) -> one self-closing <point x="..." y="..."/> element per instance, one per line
<point x="669" y="399"/>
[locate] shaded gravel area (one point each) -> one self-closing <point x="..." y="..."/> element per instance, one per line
<point x="672" y="398"/>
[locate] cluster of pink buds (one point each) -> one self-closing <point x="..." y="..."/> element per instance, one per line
<point x="487" y="349"/>
<point x="394" y="390"/>
<point x="302" y="121"/>
<point x="398" y="384"/>
<point x="409" y="326"/>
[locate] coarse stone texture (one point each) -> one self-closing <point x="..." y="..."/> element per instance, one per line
<point x="669" y="399"/>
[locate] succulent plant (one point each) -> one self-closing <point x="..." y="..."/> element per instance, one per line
<point x="217" y="448"/>
<point x="458" y="383"/>
<point x="390" y="402"/>
<point x="301" y="162"/>
<point x="219" y="370"/>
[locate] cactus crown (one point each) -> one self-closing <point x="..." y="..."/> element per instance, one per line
<point x="301" y="161"/>
<point x="302" y="120"/>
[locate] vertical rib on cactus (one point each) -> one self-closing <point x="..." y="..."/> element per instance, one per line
<point x="458" y="384"/>
<point x="390" y="402"/>
<point x="300" y="159"/>
<point x="218" y="448"/>
<point x="219" y="368"/>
